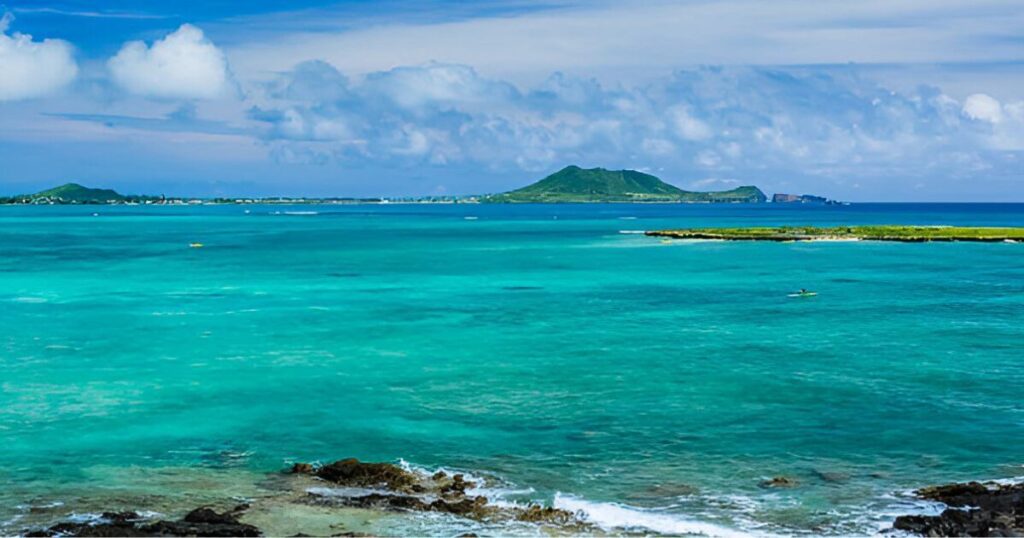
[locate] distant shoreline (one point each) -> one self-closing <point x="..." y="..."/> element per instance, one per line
<point x="382" y="201"/>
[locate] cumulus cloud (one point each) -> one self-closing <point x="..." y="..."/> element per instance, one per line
<point x="688" y="127"/>
<point x="182" y="65"/>
<point x="983" y="107"/>
<point x="1005" y="121"/>
<point x="32" y="68"/>
<point x="736" y="122"/>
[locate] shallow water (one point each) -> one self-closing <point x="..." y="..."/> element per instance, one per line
<point x="653" y="385"/>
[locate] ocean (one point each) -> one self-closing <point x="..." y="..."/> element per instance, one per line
<point x="549" y="350"/>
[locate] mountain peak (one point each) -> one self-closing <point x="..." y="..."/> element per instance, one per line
<point x="74" y="192"/>
<point x="576" y="184"/>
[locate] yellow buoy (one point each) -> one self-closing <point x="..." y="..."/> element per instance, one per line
<point x="195" y="245"/>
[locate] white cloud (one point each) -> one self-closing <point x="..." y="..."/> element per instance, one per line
<point x="708" y="159"/>
<point x="980" y="106"/>
<point x="712" y="183"/>
<point x="1015" y="110"/>
<point x="687" y="126"/>
<point x="184" y="64"/>
<point x="657" y="146"/>
<point x="32" y="68"/>
<point x="742" y="121"/>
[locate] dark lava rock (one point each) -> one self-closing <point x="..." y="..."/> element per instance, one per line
<point x="976" y="509"/>
<point x="383" y="501"/>
<point x="302" y="468"/>
<point x="407" y="491"/>
<point x="457" y="486"/>
<point x="997" y="497"/>
<point x="472" y="508"/>
<point x="354" y="473"/>
<point x="549" y="515"/>
<point x="780" y="482"/>
<point x="199" y="522"/>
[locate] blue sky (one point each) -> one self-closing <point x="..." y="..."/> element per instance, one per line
<point x="873" y="100"/>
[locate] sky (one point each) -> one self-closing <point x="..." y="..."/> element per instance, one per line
<point x="874" y="100"/>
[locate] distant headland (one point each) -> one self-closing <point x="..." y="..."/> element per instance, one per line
<point x="571" y="184"/>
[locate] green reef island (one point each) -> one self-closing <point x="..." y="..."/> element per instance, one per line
<point x="903" y="234"/>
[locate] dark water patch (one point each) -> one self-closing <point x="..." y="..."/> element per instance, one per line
<point x="380" y="291"/>
<point x="522" y="288"/>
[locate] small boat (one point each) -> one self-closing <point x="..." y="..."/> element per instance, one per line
<point x="804" y="294"/>
<point x="195" y="245"/>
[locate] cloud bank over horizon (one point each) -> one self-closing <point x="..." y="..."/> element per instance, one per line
<point x="174" y="109"/>
<point x="710" y="126"/>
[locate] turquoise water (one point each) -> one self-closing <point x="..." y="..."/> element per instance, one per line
<point x="652" y="385"/>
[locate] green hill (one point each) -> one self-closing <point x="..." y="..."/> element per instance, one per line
<point x="575" y="184"/>
<point x="75" y="193"/>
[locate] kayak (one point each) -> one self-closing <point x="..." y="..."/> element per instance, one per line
<point x="804" y="294"/>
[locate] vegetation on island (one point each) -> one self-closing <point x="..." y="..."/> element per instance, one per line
<point x="906" y="234"/>
<point x="573" y="184"/>
<point x="73" y="194"/>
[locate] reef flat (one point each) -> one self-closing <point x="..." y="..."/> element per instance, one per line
<point x="903" y="234"/>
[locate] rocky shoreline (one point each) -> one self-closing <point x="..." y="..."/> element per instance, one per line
<point x="974" y="509"/>
<point x="969" y="509"/>
<point x="348" y="483"/>
<point x="384" y="486"/>
<point x="202" y="521"/>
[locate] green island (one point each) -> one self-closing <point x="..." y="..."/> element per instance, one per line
<point x="570" y="185"/>
<point x="904" y="234"/>
<point x="75" y="194"/>
<point x="573" y="184"/>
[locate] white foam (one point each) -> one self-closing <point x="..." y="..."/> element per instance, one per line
<point x="632" y="232"/>
<point x="29" y="300"/>
<point x="494" y="493"/>
<point x="301" y="212"/>
<point x="347" y="493"/>
<point x="1012" y="481"/>
<point x="87" y="517"/>
<point x="610" y="516"/>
